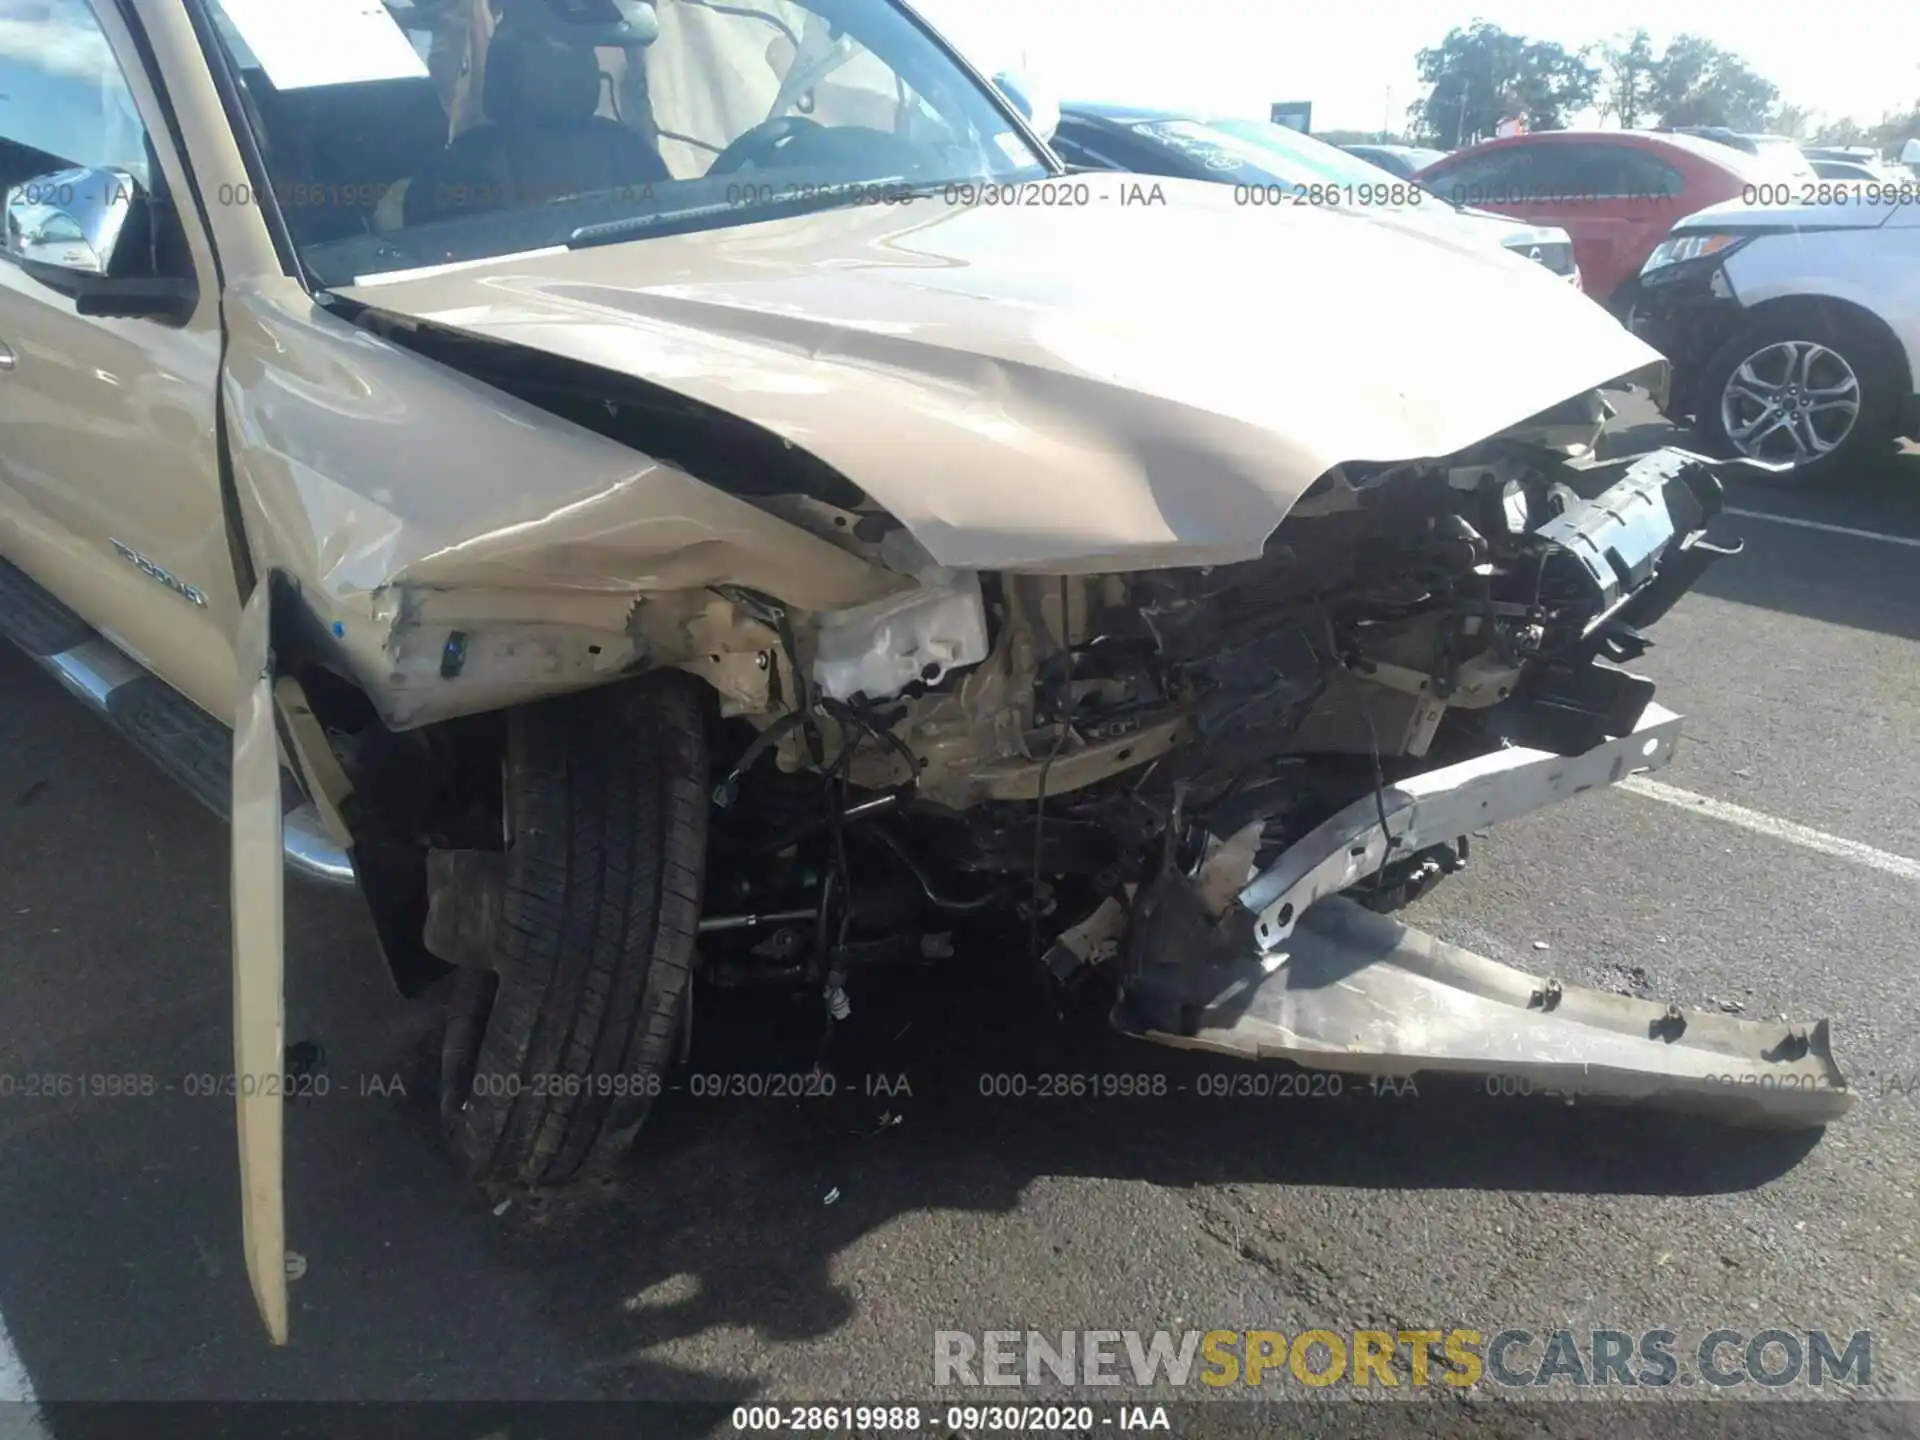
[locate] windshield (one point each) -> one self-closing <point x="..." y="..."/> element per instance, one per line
<point x="1264" y="153"/>
<point x="426" y="132"/>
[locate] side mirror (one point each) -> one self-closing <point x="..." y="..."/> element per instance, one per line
<point x="70" y="220"/>
<point x="1910" y="153"/>
<point x="1041" y="111"/>
<point x="76" y="232"/>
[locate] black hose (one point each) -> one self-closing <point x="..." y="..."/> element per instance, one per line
<point x="728" y="789"/>
<point x="934" y="897"/>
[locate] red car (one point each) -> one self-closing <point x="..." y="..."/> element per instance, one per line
<point x="1617" y="192"/>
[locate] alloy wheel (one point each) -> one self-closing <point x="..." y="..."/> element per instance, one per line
<point x="1793" y="401"/>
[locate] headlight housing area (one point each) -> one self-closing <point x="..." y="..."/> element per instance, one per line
<point x="1693" y="245"/>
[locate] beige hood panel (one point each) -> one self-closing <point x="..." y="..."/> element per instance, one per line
<point x="1066" y="388"/>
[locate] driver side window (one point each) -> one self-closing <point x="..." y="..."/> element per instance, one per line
<point x="63" y="100"/>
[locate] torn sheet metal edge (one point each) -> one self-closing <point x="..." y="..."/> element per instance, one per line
<point x="1438" y="806"/>
<point x="553" y="540"/>
<point x="1362" y="994"/>
<point x="259" y="970"/>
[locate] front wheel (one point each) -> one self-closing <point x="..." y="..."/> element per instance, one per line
<point x="551" y="1069"/>
<point x="1812" y="390"/>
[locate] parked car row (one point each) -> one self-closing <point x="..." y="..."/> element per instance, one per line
<point x="1784" y="286"/>
<point x="1616" y="192"/>
<point x="1257" y="154"/>
<point x="1852" y="162"/>
<point x="1406" y="161"/>
<point x="1779" y="154"/>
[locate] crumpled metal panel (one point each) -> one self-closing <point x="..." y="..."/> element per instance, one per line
<point x="405" y="501"/>
<point x="1065" y="389"/>
<point x="1358" y="992"/>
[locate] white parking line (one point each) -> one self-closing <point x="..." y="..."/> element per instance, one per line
<point x="1824" y="528"/>
<point x="20" y="1417"/>
<point x="1804" y="836"/>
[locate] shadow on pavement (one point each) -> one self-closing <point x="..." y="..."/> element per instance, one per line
<point x="730" y="1192"/>
<point x="120" y="1273"/>
<point x="1859" y="583"/>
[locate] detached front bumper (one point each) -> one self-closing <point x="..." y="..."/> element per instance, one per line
<point x="1279" y="965"/>
<point x="1287" y="969"/>
<point x="1358" y="993"/>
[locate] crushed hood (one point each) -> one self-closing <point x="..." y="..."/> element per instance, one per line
<point x="1058" y="387"/>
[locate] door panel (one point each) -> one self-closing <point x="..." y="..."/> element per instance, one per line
<point x="1585" y="192"/>
<point x="1656" y="199"/>
<point x="109" y="478"/>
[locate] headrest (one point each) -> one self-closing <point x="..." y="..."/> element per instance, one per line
<point x="533" y="77"/>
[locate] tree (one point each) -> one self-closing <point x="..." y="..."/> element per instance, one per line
<point x="1796" y="122"/>
<point x="1894" y="131"/>
<point x="1698" y="83"/>
<point x="1847" y="131"/>
<point x="1482" y="72"/>
<point x="1630" y="65"/>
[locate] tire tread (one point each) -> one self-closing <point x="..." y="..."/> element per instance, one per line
<point x="605" y="794"/>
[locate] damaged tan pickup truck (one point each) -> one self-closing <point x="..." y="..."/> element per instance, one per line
<point x="653" y="490"/>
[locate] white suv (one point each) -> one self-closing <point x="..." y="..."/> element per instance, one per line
<point x="1794" y="326"/>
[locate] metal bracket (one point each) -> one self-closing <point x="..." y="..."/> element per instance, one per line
<point x="1438" y="806"/>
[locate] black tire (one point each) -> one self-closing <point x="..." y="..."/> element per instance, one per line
<point x="606" y="818"/>
<point x="1871" y="354"/>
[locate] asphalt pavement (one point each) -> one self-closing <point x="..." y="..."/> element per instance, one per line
<point x="775" y="1248"/>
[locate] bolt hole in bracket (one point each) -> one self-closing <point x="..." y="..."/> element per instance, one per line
<point x="1437" y="807"/>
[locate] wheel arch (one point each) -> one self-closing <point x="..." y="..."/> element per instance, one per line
<point x="1843" y="310"/>
<point x="1817" y="317"/>
<point x="401" y="794"/>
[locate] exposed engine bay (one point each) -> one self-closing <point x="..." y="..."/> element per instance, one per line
<point x="1163" y="786"/>
<point x="1169" y="786"/>
<point x="1031" y="750"/>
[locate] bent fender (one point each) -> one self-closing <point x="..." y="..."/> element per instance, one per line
<point x="259" y="968"/>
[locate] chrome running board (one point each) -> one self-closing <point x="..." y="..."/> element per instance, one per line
<point x="182" y="739"/>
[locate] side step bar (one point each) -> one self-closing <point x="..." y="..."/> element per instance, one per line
<point x="173" y="732"/>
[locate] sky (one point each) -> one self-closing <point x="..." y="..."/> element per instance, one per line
<point x="1355" y="61"/>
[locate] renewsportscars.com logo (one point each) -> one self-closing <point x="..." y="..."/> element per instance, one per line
<point x="1369" y="1359"/>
